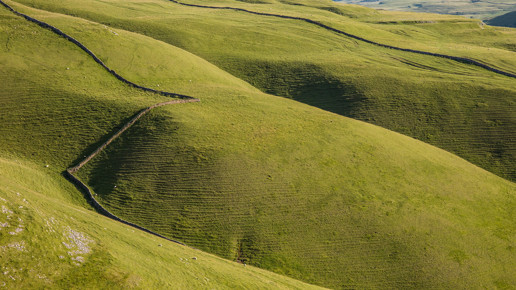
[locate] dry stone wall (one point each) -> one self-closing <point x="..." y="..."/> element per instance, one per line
<point x="69" y="173"/>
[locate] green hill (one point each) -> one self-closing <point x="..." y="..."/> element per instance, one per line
<point x="507" y="19"/>
<point x="245" y="175"/>
<point x="460" y="108"/>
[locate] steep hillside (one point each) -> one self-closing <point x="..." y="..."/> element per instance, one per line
<point x="458" y="107"/>
<point x="508" y="20"/>
<point x="56" y="102"/>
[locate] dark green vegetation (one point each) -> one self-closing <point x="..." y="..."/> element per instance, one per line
<point x="257" y="178"/>
<point x="480" y="9"/>
<point x="508" y="19"/>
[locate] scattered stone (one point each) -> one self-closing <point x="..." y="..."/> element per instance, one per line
<point x="16" y="231"/>
<point x="20" y="246"/>
<point x="194" y="258"/>
<point x="79" y="259"/>
<point x="78" y="244"/>
<point x="47" y="166"/>
<point x="6" y="210"/>
<point x="160" y="245"/>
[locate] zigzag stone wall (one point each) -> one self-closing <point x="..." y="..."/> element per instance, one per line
<point x="68" y="173"/>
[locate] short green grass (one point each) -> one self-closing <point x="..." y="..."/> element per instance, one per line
<point x="248" y="176"/>
<point x="58" y="102"/>
<point x="348" y="204"/>
<point x="47" y="242"/>
<point x="459" y="108"/>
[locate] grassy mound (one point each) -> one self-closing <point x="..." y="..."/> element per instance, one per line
<point x="348" y="204"/>
<point x="459" y="108"/>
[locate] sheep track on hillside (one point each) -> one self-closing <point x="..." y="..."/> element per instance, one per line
<point x="454" y="58"/>
<point x="69" y="172"/>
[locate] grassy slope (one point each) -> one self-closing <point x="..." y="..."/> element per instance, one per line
<point x="56" y="102"/>
<point x="62" y="245"/>
<point x="351" y="205"/>
<point x="459" y="108"/>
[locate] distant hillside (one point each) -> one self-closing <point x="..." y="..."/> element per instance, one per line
<point x="508" y="20"/>
<point x="480" y="9"/>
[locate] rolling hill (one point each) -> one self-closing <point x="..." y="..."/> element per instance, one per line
<point x="470" y="112"/>
<point x="249" y="176"/>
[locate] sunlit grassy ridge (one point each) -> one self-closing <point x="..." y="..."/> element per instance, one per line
<point x="457" y="107"/>
<point x="56" y="102"/>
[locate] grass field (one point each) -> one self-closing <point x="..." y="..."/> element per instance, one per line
<point x="249" y="176"/>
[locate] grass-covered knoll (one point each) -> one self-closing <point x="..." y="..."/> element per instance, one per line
<point x="349" y="205"/>
<point x="56" y="102"/>
<point x="47" y="242"/>
<point x="460" y="108"/>
<point x="480" y="9"/>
